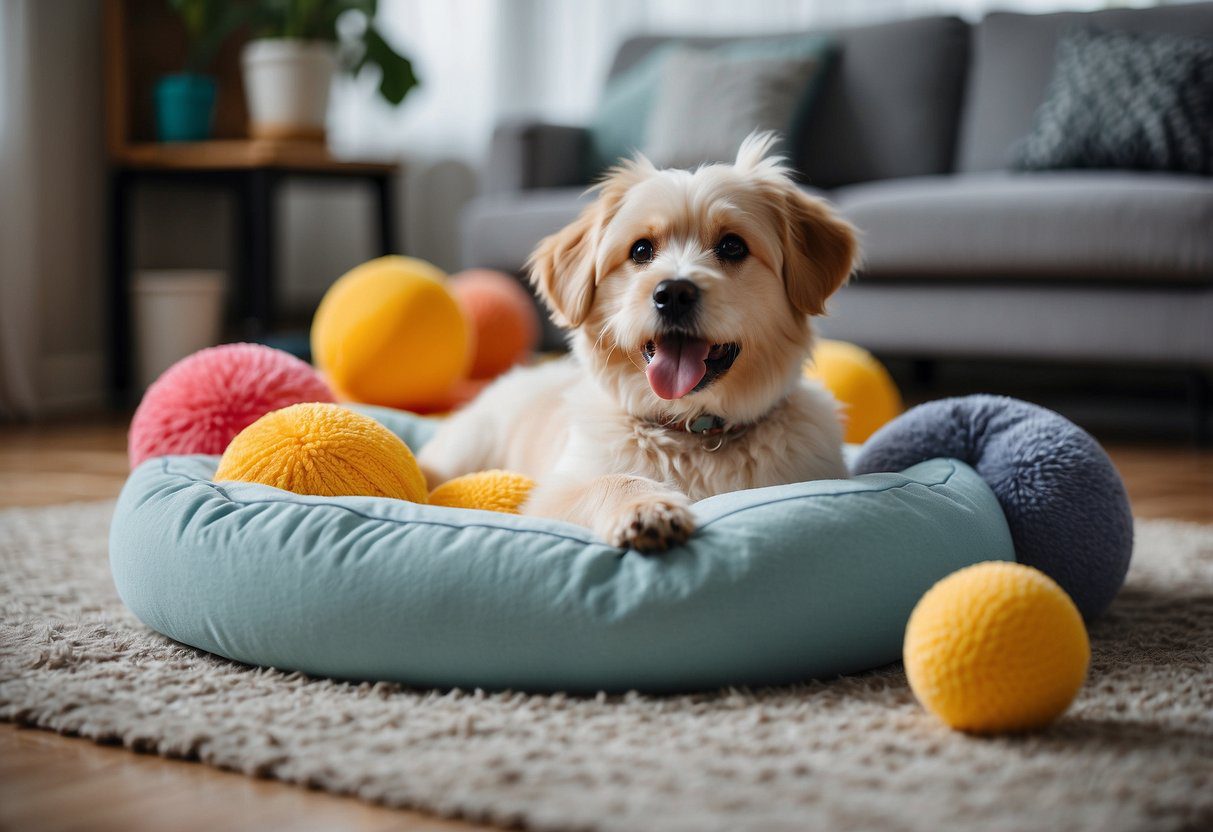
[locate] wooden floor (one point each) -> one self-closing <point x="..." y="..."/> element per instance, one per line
<point x="48" y="782"/>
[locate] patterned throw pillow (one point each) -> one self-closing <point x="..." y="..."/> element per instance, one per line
<point x="1124" y="100"/>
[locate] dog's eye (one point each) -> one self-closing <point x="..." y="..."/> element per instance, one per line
<point x="731" y="248"/>
<point x="642" y="251"/>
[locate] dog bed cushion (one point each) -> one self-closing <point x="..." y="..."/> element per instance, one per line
<point x="777" y="585"/>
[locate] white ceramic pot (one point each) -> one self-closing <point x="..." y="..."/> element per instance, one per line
<point x="286" y="83"/>
<point x="177" y="312"/>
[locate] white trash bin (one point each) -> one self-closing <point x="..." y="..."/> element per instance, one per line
<point x="176" y="312"/>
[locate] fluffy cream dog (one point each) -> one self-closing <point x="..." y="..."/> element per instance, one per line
<point x="688" y="297"/>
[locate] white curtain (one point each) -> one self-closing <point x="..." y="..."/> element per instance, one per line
<point x="51" y="207"/>
<point x="18" y="296"/>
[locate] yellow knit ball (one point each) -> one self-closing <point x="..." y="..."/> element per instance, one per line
<point x="502" y="491"/>
<point x="323" y="449"/>
<point x="860" y="382"/>
<point x="996" y="647"/>
<point x="389" y="333"/>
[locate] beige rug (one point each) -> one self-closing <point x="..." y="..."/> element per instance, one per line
<point x="1134" y="753"/>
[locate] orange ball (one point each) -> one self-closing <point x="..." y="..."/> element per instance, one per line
<point x="390" y="333"/>
<point x="503" y="318"/>
<point x="502" y="491"/>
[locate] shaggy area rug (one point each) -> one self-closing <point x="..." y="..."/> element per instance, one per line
<point x="1134" y="753"/>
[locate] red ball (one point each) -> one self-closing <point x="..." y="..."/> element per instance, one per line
<point x="200" y="403"/>
<point x="503" y="318"/>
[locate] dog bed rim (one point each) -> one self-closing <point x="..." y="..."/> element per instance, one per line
<point x="166" y="462"/>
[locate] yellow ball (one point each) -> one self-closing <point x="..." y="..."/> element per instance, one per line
<point x="389" y="333"/>
<point x="502" y="491"/>
<point x="323" y="449"/>
<point x="860" y="382"/>
<point x="996" y="647"/>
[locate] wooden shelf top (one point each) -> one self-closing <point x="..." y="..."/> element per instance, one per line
<point x="242" y="154"/>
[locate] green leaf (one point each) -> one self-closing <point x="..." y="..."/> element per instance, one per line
<point x="211" y="22"/>
<point x="193" y="14"/>
<point x="230" y="18"/>
<point x="208" y="23"/>
<point x="397" y="76"/>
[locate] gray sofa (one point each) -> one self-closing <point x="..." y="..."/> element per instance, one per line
<point x="962" y="257"/>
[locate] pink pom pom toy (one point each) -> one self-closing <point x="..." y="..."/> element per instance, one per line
<point x="200" y="403"/>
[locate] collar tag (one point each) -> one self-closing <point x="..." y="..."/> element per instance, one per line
<point x="705" y="423"/>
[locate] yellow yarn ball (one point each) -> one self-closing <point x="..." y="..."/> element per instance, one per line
<point x="996" y="647"/>
<point x="326" y="450"/>
<point x="860" y="382"/>
<point x="389" y="333"/>
<point x="502" y="491"/>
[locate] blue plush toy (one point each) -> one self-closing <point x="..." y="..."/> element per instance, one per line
<point x="1064" y="502"/>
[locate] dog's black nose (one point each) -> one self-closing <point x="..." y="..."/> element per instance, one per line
<point x="674" y="300"/>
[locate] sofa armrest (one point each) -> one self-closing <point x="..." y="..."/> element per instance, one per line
<point x="528" y="154"/>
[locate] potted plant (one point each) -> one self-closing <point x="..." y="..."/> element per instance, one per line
<point x="185" y="101"/>
<point x="289" y="63"/>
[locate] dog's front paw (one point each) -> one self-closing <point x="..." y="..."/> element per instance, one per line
<point x="651" y="526"/>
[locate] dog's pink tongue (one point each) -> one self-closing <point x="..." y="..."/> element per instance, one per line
<point x="677" y="366"/>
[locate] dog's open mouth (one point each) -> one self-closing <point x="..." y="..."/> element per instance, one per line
<point x="680" y="364"/>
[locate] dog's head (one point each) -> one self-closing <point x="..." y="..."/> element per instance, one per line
<point x="690" y="292"/>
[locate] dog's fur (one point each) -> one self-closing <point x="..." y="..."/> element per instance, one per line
<point x="605" y="450"/>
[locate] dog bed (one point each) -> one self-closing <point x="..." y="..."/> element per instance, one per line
<point x="777" y="584"/>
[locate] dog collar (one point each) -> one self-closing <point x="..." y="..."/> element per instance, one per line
<point x="705" y="424"/>
<point x="709" y="424"/>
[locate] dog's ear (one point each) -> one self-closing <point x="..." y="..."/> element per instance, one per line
<point x="819" y="251"/>
<point x="563" y="268"/>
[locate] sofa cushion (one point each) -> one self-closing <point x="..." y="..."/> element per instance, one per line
<point x="1013" y="58"/>
<point x="888" y="105"/>
<point x="705" y="106"/>
<point x="499" y="231"/>
<point x="620" y="125"/>
<point x="1074" y="224"/>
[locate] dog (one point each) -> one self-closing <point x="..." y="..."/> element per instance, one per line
<point x="688" y="297"/>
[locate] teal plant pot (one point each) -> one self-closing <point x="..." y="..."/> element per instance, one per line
<point x="185" y="107"/>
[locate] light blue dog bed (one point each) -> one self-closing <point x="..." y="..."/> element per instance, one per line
<point x="777" y="584"/>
